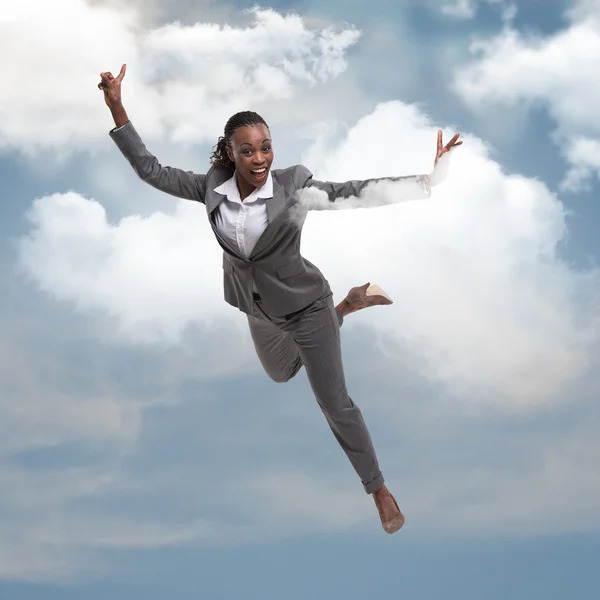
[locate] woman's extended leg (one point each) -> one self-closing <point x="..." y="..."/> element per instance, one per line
<point x="316" y="333"/>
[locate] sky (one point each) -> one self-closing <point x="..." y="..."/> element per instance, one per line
<point x="144" y="453"/>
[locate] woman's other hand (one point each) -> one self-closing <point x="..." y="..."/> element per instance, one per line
<point x="440" y="167"/>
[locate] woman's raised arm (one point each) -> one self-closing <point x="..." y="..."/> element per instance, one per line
<point x="177" y="182"/>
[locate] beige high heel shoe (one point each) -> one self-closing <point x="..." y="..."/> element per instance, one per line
<point x="366" y="295"/>
<point x="396" y="523"/>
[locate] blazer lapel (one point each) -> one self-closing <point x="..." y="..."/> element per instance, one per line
<point x="276" y="204"/>
<point x="275" y="208"/>
<point x="212" y="200"/>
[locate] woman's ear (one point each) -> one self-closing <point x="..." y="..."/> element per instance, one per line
<point x="229" y="153"/>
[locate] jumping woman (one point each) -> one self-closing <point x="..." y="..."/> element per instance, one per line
<point x="288" y="303"/>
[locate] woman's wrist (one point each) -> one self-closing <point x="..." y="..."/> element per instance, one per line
<point x="119" y="114"/>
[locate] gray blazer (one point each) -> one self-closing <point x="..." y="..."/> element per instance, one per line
<point x="285" y="281"/>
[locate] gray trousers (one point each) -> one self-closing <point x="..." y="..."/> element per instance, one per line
<point x="311" y="338"/>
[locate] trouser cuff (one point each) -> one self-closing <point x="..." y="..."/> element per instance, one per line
<point x="374" y="485"/>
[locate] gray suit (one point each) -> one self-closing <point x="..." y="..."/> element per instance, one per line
<point x="287" y="300"/>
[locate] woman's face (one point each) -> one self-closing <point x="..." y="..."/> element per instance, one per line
<point x="252" y="153"/>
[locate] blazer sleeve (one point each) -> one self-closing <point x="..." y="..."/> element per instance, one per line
<point x="414" y="187"/>
<point x="179" y="183"/>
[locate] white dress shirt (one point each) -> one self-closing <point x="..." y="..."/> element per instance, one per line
<point x="242" y="223"/>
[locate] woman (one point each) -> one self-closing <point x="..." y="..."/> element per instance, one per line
<point x="257" y="215"/>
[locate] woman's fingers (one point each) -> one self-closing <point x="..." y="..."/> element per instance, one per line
<point x="453" y="142"/>
<point x="122" y="73"/>
<point x="109" y="81"/>
<point x="107" y="77"/>
<point x="450" y="146"/>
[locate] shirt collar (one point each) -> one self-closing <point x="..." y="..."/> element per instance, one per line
<point x="230" y="189"/>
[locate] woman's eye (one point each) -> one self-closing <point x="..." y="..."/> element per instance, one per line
<point x="267" y="149"/>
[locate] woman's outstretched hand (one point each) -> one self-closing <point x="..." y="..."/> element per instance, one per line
<point x="441" y="149"/>
<point x="440" y="167"/>
<point x="111" y="86"/>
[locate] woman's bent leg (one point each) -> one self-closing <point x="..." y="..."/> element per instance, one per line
<point x="275" y="348"/>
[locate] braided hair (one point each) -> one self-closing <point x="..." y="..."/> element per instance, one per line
<point x="219" y="157"/>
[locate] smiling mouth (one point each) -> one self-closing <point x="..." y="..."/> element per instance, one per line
<point x="259" y="173"/>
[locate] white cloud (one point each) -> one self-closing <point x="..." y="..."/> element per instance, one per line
<point x="155" y="275"/>
<point x="482" y="299"/>
<point x="184" y="81"/>
<point x="583" y="154"/>
<point x="555" y="71"/>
